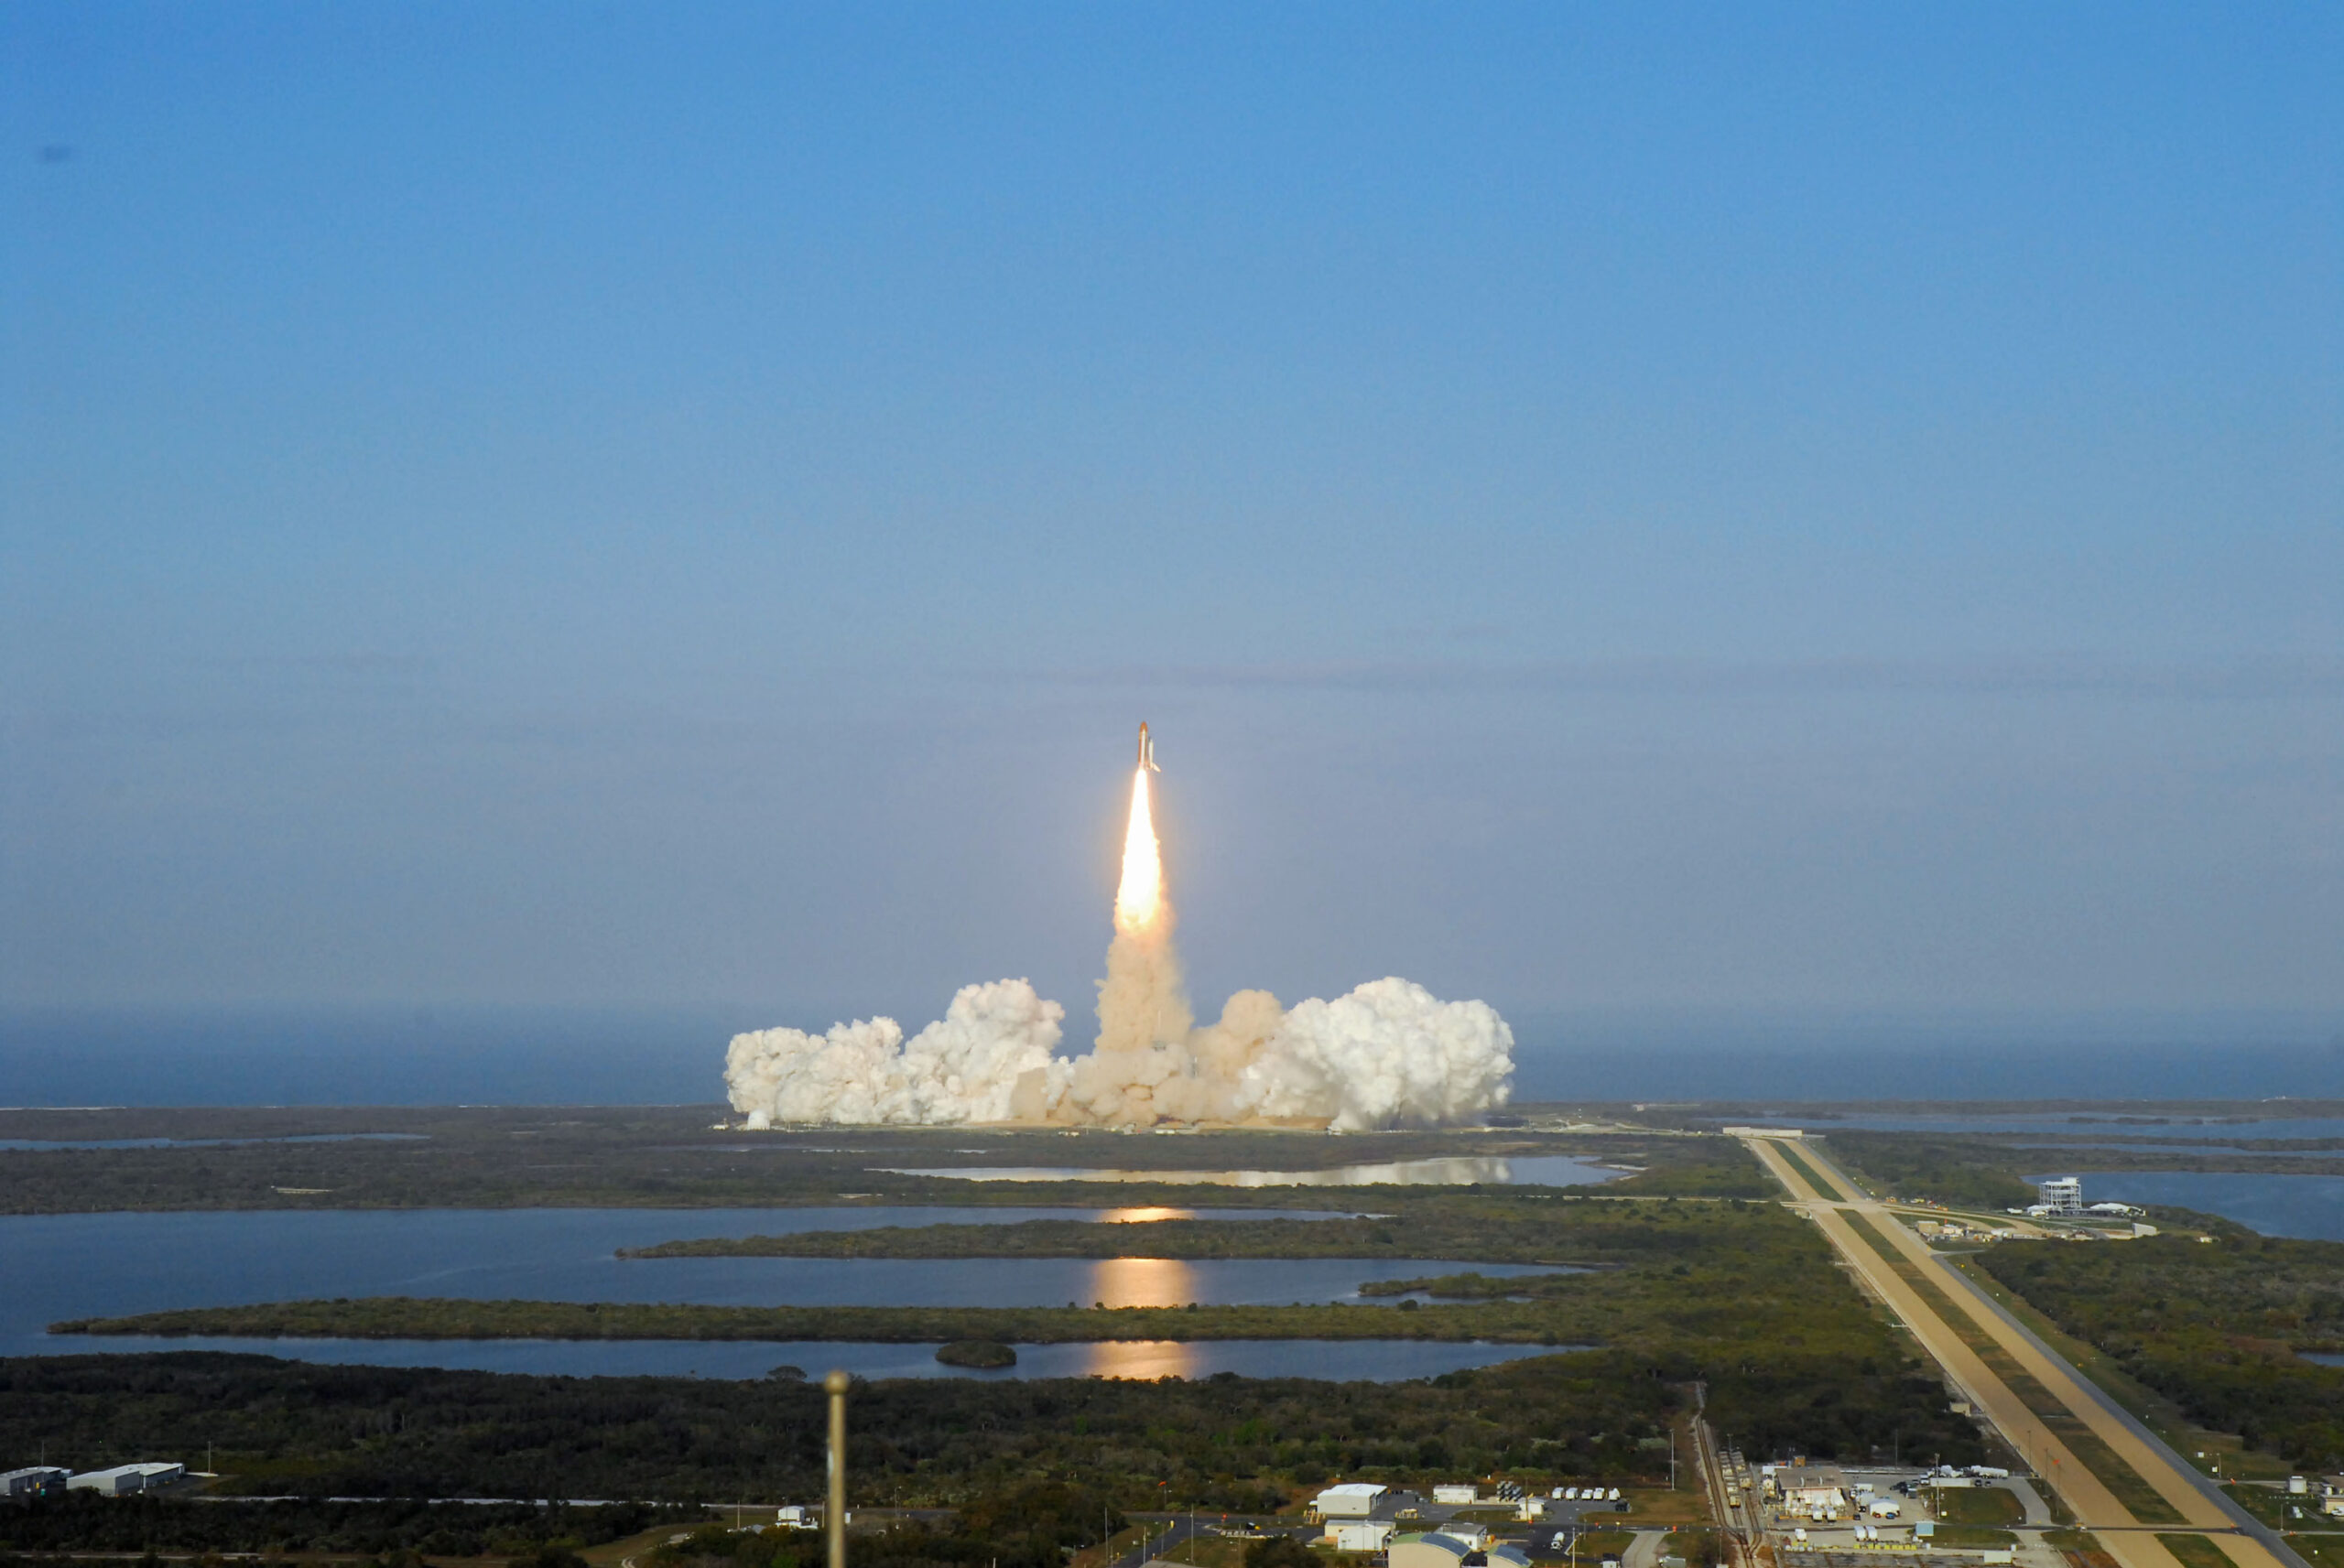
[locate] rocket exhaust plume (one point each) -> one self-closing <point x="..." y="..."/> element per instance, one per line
<point x="1140" y="895"/>
<point x="1388" y="1055"/>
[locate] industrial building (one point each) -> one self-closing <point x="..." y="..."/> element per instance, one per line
<point x="1353" y="1499"/>
<point x="1807" y="1488"/>
<point x="2061" y="1194"/>
<point x="34" y="1481"/>
<point x="123" y="1480"/>
<point x="1439" y="1548"/>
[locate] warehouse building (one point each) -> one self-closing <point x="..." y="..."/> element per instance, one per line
<point x="1351" y="1501"/>
<point x="1439" y="1548"/>
<point x="124" y="1480"/>
<point x="33" y="1481"/>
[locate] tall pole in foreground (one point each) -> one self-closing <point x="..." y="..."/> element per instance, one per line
<point x="834" y="1515"/>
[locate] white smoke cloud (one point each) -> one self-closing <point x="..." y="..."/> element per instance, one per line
<point x="1388" y="1055"/>
<point x="963" y="1068"/>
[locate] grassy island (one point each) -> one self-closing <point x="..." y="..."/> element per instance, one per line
<point x="1532" y="1226"/>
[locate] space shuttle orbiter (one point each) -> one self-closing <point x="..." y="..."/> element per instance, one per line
<point x="1147" y="751"/>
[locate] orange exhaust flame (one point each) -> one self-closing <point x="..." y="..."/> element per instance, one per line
<point x="1140" y="894"/>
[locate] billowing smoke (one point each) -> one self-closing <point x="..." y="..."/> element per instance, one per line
<point x="1388" y="1055"/>
<point x="962" y="1069"/>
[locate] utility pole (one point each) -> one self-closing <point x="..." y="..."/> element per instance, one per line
<point x="834" y="1514"/>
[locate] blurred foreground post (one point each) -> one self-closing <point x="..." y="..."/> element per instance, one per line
<point x="834" y="1515"/>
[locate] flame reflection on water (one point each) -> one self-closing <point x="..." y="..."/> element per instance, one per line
<point x="1141" y="1358"/>
<point x="1144" y="1215"/>
<point x="1142" y="1282"/>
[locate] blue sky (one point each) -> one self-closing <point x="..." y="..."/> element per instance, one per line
<point x="1604" y="505"/>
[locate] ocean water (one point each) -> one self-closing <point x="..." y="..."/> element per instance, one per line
<point x="676" y="1056"/>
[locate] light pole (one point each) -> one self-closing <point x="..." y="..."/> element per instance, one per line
<point x="834" y="1515"/>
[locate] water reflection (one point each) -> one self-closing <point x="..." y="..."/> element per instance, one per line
<point x="1546" y="1169"/>
<point x="1140" y="1358"/>
<point x="1145" y="1214"/>
<point x="1142" y="1282"/>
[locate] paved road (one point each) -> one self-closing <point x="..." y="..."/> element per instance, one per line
<point x="2038" y="1512"/>
<point x="2124" y="1536"/>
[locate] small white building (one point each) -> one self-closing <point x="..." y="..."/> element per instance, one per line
<point x="1370" y="1536"/>
<point x="2061" y="1194"/>
<point x="1454" y="1496"/>
<point x="1807" y="1488"/>
<point x="33" y="1481"/>
<point x="1352" y="1499"/>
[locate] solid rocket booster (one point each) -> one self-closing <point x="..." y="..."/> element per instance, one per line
<point x="1147" y="749"/>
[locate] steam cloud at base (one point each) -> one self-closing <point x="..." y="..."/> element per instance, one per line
<point x="1388" y="1055"/>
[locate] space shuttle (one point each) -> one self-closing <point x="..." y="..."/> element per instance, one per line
<point x="1147" y="749"/>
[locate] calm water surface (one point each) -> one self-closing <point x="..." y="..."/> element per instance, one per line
<point x="1539" y="1170"/>
<point x="60" y="1266"/>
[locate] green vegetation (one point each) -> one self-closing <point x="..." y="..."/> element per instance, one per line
<point x="1280" y="1552"/>
<point x="2217" y="1328"/>
<point x="1807" y="1172"/>
<point x="2319" y="1551"/>
<point x="1481" y="1225"/>
<point x="84" y="1521"/>
<point x="2124" y="1483"/>
<point x="1972" y="1538"/>
<point x="719" y="1545"/>
<point x="1962" y="1173"/>
<point x="983" y="1353"/>
<point x="1988" y="1506"/>
<point x="1029" y="1527"/>
<point x="1225" y="1443"/>
<point x="418" y="1317"/>
<point x="671" y="1157"/>
<point x="2196" y="1551"/>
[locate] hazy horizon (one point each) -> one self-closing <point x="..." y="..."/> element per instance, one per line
<point x="406" y="1056"/>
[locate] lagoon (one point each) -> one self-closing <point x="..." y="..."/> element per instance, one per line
<point x="102" y="1265"/>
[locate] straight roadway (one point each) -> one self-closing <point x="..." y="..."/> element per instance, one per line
<point x="1841" y="1208"/>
